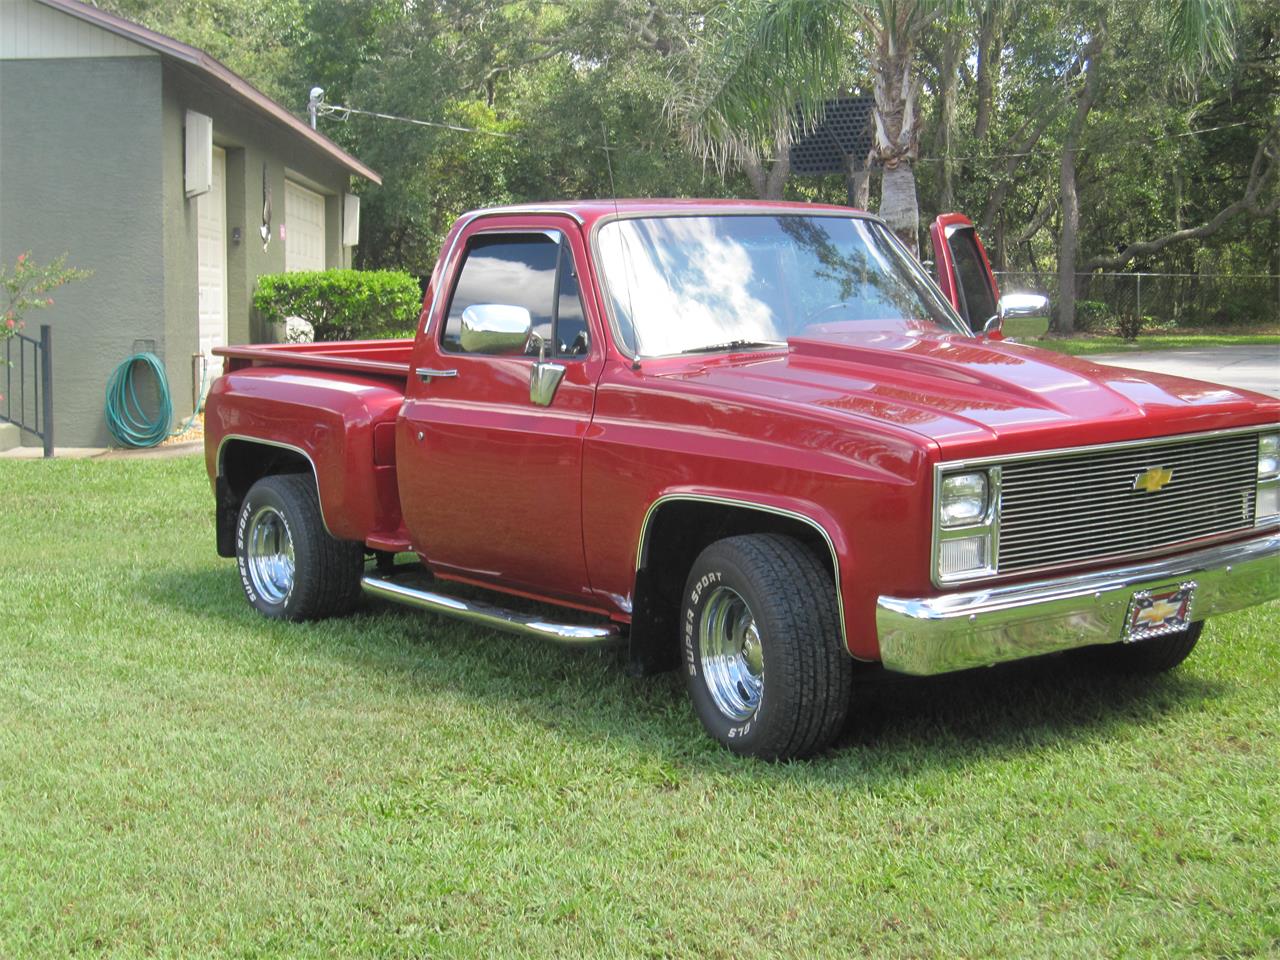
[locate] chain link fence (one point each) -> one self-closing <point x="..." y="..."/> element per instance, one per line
<point x="1176" y="299"/>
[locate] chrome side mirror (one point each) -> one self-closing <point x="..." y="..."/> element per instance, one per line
<point x="1029" y="305"/>
<point x="545" y="377"/>
<point x="500" y="329"/>
<point x="1024" y="305"/>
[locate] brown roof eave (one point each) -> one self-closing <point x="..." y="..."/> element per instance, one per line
<point x="215" y="72"/>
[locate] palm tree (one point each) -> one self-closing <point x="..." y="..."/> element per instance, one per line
<point x="737" y="85"/>
<point x="777" y="56"/>
<point x="774" y="56"/>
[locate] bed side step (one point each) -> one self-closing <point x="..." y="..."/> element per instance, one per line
<point x="487" y="614"/>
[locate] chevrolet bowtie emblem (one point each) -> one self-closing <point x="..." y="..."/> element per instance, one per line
<point x="1153" y="480"/>
<point x="1156" y="614"/>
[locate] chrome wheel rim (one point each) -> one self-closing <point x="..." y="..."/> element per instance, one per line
<point x="269" y="555"/>
<point x="732" y="654"/>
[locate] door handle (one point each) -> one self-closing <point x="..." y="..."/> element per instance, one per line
<point x="426" y="373"/>
<point x="544" y="378"/>
<point x="543" y="381"/>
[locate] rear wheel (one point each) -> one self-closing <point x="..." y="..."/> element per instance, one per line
<point x="766" y="669"/>
<point x="290" y="566"/>
<point x="1144" y="657"/>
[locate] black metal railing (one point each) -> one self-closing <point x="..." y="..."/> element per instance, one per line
<point x="27" y="375"/>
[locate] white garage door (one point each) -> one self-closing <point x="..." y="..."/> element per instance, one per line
<point x="211" y="266"/>
<point x="303" y="228"/>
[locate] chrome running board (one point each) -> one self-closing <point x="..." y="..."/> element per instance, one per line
<point x="488" y="615"/>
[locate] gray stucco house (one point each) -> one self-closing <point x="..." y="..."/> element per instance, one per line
<point x="152" y="164"/>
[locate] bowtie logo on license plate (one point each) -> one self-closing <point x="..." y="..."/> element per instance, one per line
<point x="1157" y="614"/>
<point x="1153" y="480"/>
<point x="1154" y="614"/>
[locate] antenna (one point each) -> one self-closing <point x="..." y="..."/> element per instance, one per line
<point x="622" y="247"/>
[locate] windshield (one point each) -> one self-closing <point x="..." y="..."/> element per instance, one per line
<point x="688" y="284"/>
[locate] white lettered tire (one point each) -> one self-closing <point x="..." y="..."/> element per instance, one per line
<point x="761" y="649"/>
<point x="290" y="567"/>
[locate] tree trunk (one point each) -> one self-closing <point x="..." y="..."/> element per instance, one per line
<point x="1276" y="268"/>
<point x="948" y="78"/>
<point x="898" y="203"/>
<point x="896" y="140"/>
<point x="778" y="174"/>
<point x="1065" y="322"/>
<point x="754" y="170"/>
<point x="990" y="42"/>
<point x="1001" y="261"/>
<point x="858" y="181"/>
<point x="1177" y="225"/>
<point x="1069" y="239"/>
<point x="769" y="184"/>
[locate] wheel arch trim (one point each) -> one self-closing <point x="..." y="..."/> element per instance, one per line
<point x="642" y="545"/>
<point x="315" y="473"/>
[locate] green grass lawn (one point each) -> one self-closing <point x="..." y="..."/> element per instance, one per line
<point x="1084" y="346"/>
<point x="179" y="777"/>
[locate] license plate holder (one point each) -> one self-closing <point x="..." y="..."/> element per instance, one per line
<point x="1158" y="612"/>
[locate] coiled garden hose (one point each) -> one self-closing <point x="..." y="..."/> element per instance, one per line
<point x="126" y="419"/>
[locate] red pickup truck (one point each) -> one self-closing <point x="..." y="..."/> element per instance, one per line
<point x="756" y="442"/>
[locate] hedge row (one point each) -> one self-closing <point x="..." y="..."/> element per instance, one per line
<point x="342" y="304"/>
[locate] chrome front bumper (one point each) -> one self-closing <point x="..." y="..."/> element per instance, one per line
<point x="956" y="631"/>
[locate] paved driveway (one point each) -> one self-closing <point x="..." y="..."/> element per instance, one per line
<point x="1251" y="367"/>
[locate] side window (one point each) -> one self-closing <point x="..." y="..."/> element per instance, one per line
<point x="572" y="335"/>
<point x="534" y="271"/>
<point x="503" y="268"/>
<point x="977" y="299"/>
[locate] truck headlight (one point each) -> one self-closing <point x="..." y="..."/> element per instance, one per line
<point x="1268" y="456"/>
<point x="1268" y="504"/>
<point x="966" y="524"/>
<point x="963" y="500"/>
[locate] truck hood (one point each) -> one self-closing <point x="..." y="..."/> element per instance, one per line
<point x="975" y="397"/>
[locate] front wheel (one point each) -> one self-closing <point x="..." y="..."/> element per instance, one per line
<point x="291" y="568"/>
<point x="767" y="672"/>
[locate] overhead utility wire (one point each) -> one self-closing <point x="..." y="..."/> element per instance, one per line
<point x="1032" y="152"/>
<point x="343" y="112"/>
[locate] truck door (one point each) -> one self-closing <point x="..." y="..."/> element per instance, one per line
<point x="964" y="273"/>
<point x="489" y="449"/>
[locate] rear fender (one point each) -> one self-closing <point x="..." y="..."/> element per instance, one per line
<point x="263" y="420"/>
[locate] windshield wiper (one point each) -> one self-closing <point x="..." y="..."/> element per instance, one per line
<point x="736" y="345"/>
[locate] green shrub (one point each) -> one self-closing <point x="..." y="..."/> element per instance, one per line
<point x="1092" y="316"/>
<point x="342" y="304"/>
<point x="1129" y="325"/>
<point x="1163" y="325"/>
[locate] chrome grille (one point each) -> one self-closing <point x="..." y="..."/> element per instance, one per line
<point x="1066" y="509"/>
